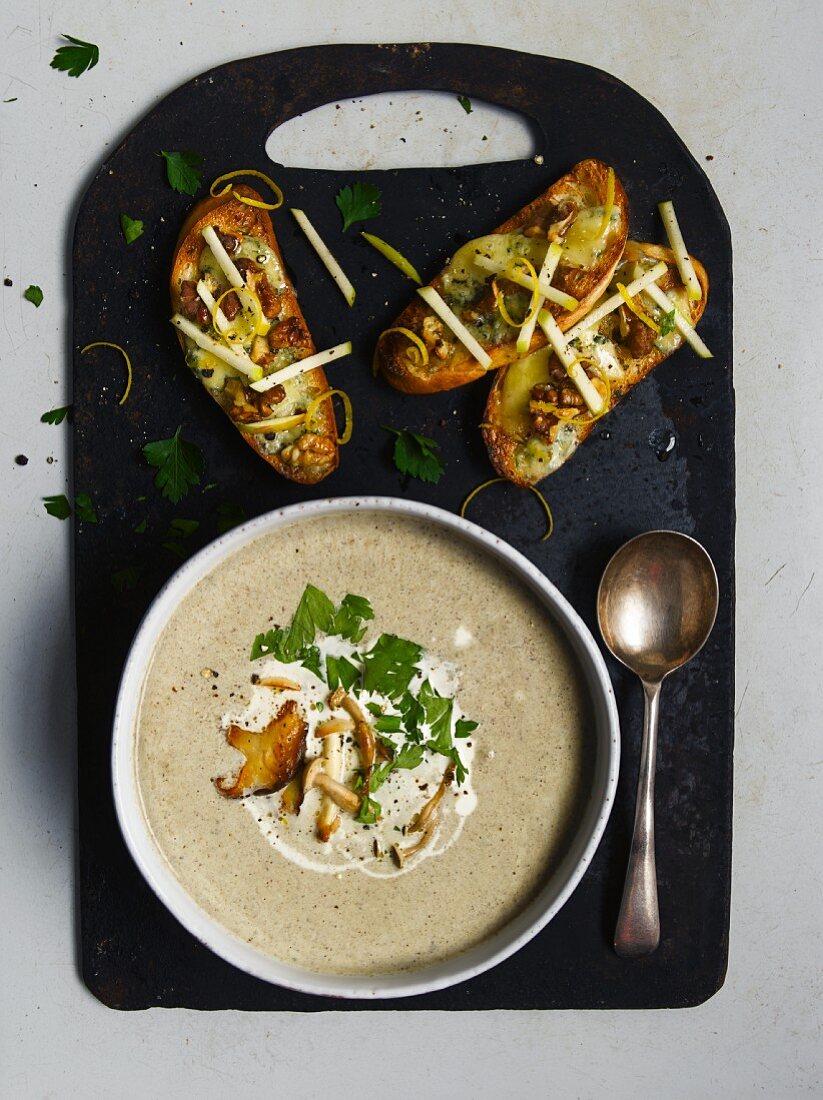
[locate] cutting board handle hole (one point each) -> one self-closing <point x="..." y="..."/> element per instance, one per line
<point x="403" y="130"/>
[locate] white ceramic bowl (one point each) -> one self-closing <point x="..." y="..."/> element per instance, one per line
<point x="503" y="943"/>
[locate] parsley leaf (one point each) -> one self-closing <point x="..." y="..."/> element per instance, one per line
<point x="179" y="465"/>
<point x="132" y="228"/>
<point x="413" y="715"/>
<point x="75" y="59"/>
<point x="180" y="528"/>
<point x="123" y="580"/>
<point x="464" y="726"/>
<point x="57" y="416"/>
<point x="34" y="295"/>
<point x="183" y="527"/>
<point x="266" y="644"/>
<point x="183" y="170"/>
<point x="310" y="659"/>
<point x="438" y="711"/>
<point x="358" y="203"/>
<point x="350" y="616"/>
<point x="416" y="455"/>
<point x="390" y="665"/>
<point x="667" y="325"/>
<point x="409" y="757"/>
<point x="389" y="723"/>
<point x="229" y="515"/>
<point x="84" y="509"/>
<point x="369" y="810"/>
<point x="314" y="612"/>
<point x="57" y="506"/>
<point x="340" y="672"/>
<point x="465" y="103"/>
<point x="140" y="529"/>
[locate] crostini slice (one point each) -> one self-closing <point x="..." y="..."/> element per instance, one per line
<point x="585" y="212"/>
<point x="536" y="417"/>
<point x="239" y="321"/>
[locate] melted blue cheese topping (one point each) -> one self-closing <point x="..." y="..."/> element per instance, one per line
<point x="214" y="373"/>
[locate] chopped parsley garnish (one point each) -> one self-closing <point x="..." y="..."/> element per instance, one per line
<point x="84" y="509"/>
<point x="180" y="529"/>
<point x="465" y="103"/>
<point x="179" y="465"/>
<point x="340" y="672"/>
<point x="438" y="712"/>
<point x="358" y="203"/>
<point x="369" y="810"/>
<point x="310" y="659"/>
<point x="315" y="612"/>
<point x="123" y="580"/>
<point x="416" y="455"/>
<point x="131" y="227"/>
<point x="409" y="723"/>
<point x="409" y="757"/>
<point x="57" y="506"/>
<point x="390" y="665"/>
<point x="183" y="170"/>
<point x="140" y="529"/>
<point x="57" y="416"/>
<point x="667" y="324"/>
<point x="34" y="295"/>
<point x="463" y="727"/>
<point x="229" y="515"/>
<point x="350" y="616"/>
<point x="77" y="58"/>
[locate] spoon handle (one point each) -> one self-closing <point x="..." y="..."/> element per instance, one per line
<point x="638" y="925"/>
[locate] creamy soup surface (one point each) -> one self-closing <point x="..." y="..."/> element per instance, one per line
<point x="530" y="772"/>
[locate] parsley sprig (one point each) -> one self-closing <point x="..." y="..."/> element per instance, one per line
<point x="179" y="465"/>
<point x="77" y="58"/>
<point x="183" y="170"/>
<point x="417" y="455"/>
<point x="358" y="203"/>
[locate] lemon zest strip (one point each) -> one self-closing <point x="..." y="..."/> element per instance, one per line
<point x="124" y="353"/>
<point x="531" y="488"/>
<point x="258" y="203"/>
<point x="349" y="421"/>
<point x="415" y="339"/>
<point x="636" y="310"/>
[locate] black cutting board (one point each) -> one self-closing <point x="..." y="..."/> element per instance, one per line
<point x="134" y="954"/>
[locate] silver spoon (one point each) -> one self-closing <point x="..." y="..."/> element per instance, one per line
<point x="656" y="606"/>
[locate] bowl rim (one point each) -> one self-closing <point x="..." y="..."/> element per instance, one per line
<point x="468" y="964"/>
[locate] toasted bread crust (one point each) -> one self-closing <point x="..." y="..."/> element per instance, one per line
<point x="586" y="182"/>
<point x="502" y="447"/>
<point x="229" y="215"/>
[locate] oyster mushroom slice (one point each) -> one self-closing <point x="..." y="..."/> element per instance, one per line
<point x="425" y="822"/>
<point x="402" y="854"/>
<point x="342" y="795"/>
<point x="420" y="822"/>
<point x="278" y="683"/>
<point x="328" y="819"/>
<point x="362" y="730"/>
<point x="272" y="756"/>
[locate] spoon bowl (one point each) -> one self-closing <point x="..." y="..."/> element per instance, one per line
<point x="656" y="606"/>
<point x="657" y="602"/>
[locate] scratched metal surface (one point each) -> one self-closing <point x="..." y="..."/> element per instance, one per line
<point x="134" y="953"/>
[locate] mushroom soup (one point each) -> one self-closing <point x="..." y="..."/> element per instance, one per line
<point x="497" y="802"/>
